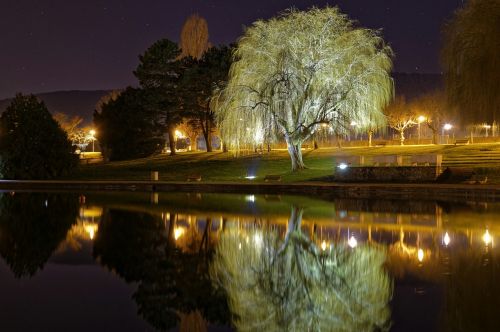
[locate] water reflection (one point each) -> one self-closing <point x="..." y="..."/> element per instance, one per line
<point x="31" y="228"/>
<point x="174" y="286"/>
<point x="292" y="285"/>
<point x="247" y="261"/>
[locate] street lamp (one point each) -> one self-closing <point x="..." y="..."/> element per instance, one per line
<point x="420" y="119"/>
<point x="446" y="127"/>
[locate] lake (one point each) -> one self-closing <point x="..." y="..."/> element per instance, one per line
<point x="225" y="262"/>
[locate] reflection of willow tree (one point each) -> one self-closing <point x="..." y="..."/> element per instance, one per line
<point x="31" y="228"/>
<point x="291" y="285"/>
<point x="172" y="283"/>
<point x="473" y="293"/>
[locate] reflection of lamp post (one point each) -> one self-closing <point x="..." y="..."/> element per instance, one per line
<point x="446" y="127"/>
<point x="420" y="119"/>
<point x="92" y="137"/>
<point x="486" y="127"/>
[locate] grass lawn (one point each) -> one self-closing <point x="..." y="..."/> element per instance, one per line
<point x="218" y="166"/>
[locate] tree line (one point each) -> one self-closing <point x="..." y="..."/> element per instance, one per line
<point x="284" y="80"/>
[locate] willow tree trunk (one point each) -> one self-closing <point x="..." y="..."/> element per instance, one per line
<point x="370" y="136"/>
<point x="294" y="150"/>
<point x="294" y="224"/>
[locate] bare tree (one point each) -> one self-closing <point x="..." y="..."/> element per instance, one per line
<point x="472" y="62"/>
<point x="194" y="37"/>
<point x="300" y="70"/>
<point x="400" y="117"/>
<point x="434" y="109"/>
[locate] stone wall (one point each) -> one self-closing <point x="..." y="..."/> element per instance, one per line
<point x="401" y="174"/>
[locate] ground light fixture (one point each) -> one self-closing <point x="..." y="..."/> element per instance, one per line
<point x="250" y="177"/>
<point x="343" y="166"/>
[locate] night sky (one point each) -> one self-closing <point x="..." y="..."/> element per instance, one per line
<point x="71" y="45"/>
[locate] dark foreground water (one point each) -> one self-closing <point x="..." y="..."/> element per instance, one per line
<point x="145" y="262"/>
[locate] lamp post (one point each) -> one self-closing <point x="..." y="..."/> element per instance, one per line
<point x="92" y="137"/>
<point x="486" y="127"/>
<point x="420" y="119"/>
<point x="446" y="127"/>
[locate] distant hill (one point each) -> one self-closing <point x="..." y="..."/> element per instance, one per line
<point x="81" y="103"/>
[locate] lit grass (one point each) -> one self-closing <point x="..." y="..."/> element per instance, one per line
<point x="217" y="166"/>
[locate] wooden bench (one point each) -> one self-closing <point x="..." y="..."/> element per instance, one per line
<point x="194" y="177"/>
<point x="462" y="141"/>
<point x="268" y="178"/>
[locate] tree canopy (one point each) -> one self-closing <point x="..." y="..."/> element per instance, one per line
<point x="201" y="79"/>
<point x="299" y="70"/>
<point x="32" y="144"/>
<point x="129" y="127"/>
<point x="471" y="61"/>
<point x="194" y="37"/>
<point x="160" y="72"/>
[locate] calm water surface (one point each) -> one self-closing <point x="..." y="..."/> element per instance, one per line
<point x="170" y="261"/>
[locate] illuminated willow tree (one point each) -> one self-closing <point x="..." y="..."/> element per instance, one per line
<point x="472" y="61"/>
<point x="292" y="285"/>
<point x="295" y="72"/>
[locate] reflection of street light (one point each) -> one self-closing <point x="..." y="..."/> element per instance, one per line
<point x="420" y="255"/>
<point x="420" y="119"/>
<point x="446" y="239"/>
<point x="446" y="127"/>
<point x="486" y="127"/>
<point x="487" y="238"/>
<point x="352" y="242"/>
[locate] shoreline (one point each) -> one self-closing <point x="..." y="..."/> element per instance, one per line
<point x="397" y="191"/>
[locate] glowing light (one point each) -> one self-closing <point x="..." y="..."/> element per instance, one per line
<point x="90" y="229"/>
<point x="257" y="239"/>
<point x="421" y="119"/>
<point x="446" y="239"/>
<point x="323" y="245"/>
<point x="420" y="255"/>
<point x="486" y="126"/>
<point x="178" y="232"/>
<point x="239" y="246"/>
<point x="250" y="198"/>
<point x="343" y="166"/>
<point x="179" y="134"/>
<point x="447" y="126"/>
<point x="92" y="132"/>
<point x="487" y="239"/>
<point x="354" y="123"/>
<point x="353" y="243"/>
<point x="250" y="177"/>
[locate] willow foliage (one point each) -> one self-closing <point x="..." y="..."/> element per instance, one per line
<point x="301" y="289"/>
<point x="472" y="61"/>
<point x="299" y="70"/>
